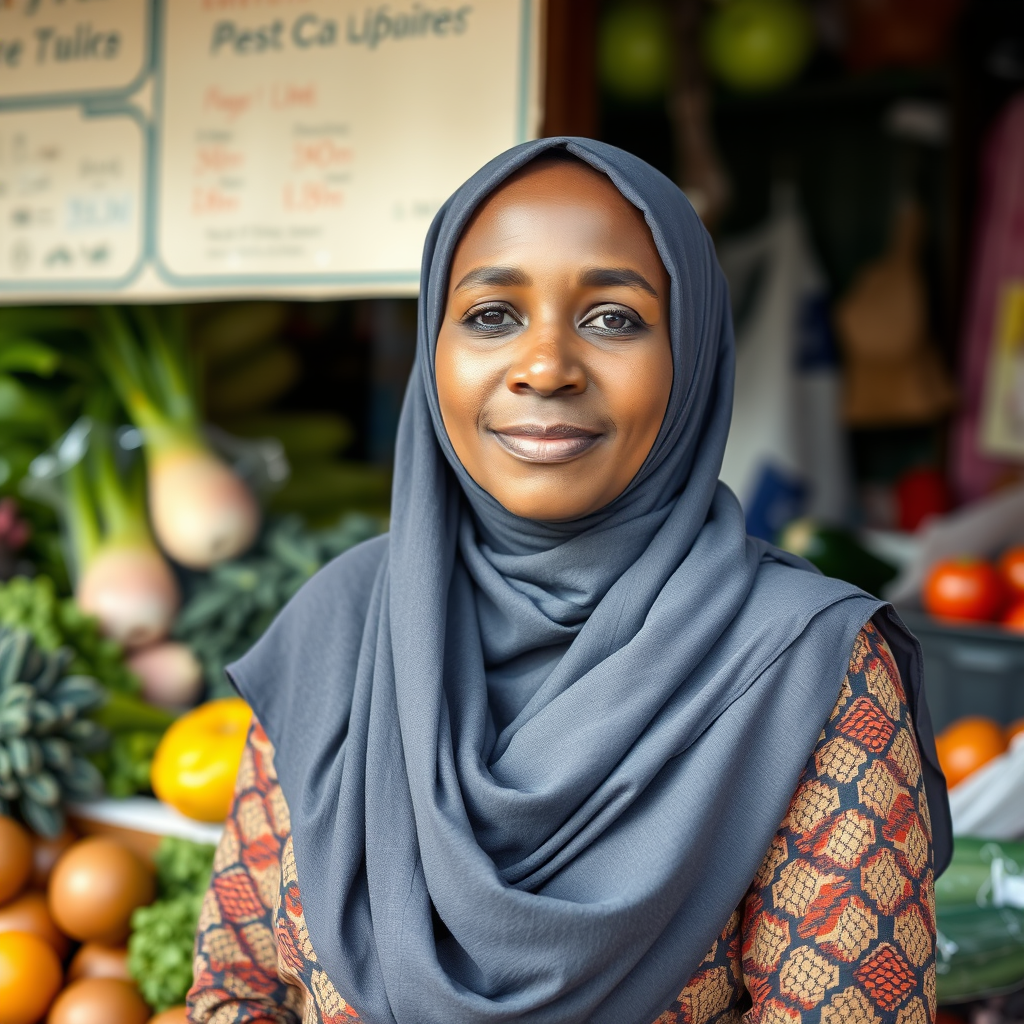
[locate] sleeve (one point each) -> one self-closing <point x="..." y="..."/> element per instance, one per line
<point x="839" y="924"/>
<point x="236" y="970"/>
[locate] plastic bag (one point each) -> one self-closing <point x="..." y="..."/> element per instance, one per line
<point x="786" y="455"/>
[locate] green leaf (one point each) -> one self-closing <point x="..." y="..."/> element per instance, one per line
<point x="28" y="356"/>
<point x="19" y="404"/>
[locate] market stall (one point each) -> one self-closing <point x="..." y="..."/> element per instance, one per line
<point x="212" y="217"/>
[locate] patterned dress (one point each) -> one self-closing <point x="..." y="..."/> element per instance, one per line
<point x="837" y="927"/>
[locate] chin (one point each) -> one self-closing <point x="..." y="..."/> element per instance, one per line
<point x="552" y="508"/>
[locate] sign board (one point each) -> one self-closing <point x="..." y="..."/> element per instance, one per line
<point x="184" y="149"/>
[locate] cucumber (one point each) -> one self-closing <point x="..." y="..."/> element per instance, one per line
<point x="980" y="951"/>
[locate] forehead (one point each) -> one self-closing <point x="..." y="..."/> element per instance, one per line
<point x="557" y="209"/>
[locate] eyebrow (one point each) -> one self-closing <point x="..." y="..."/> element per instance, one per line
<point x="613" y="277"/>
<point x="596" y="277"/>
<point x="507" y="277"/>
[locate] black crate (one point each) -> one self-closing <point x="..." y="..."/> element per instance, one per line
<point x="969" y="670"/>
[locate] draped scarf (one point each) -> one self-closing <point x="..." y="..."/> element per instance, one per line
<point x="533" y="767"/>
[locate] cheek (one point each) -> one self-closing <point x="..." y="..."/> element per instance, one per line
<point x="638" y="395"/>
<point x="461" y="390"/>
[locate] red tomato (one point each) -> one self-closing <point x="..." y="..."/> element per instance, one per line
<point x="963" y="588"/>
<point x="1011" y="566"/>
<point x="1013" y="620"/>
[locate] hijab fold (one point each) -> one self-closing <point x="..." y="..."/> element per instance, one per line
<point x="533" y="767"/>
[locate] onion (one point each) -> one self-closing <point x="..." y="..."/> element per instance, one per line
<point x="202" y="512"/>
<point x="131" y="590"/>
<point x="170" y="673"/>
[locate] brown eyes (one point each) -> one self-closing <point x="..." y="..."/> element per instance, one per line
<point x="607" y="323"/>
<point x="612" y="321"/>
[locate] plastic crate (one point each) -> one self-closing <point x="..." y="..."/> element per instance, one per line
<point x="969" y="670"/>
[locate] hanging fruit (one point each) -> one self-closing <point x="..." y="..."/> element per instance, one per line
<point x="758" y="45"/>
<point x="635" y="51"/>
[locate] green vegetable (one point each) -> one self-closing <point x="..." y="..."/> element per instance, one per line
<point x="836" y="552"/>
<point x="980" y="952"/>
<point x="126" y="765"/>
<point x="44" y="733"/>
<point x="160" y="947"/>
<point x="55" y="622"/>
<point x="58" y="624"/>
<point x="183" y="867"/>
<point x="305" y="435"/>
<point x="232" y="606"/>
<point x="202" y="512"/>
<point x="980" y="949"/>
<point x="327" y="486"/>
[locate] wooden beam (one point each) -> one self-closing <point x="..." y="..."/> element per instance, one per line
<point x="570" y="83"/>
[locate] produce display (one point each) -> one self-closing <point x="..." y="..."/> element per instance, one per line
<point x="106" y="939"/>
<point x="136" y="561"/>
<point x="202" y="512"/>
<point x="972" y="589"/>
<point x="163" y="933"/>
<point x="45" y="732"/>
<point x="967" y="744"/>
<point x="195" y="765"/>
<point x="232" y="606"/>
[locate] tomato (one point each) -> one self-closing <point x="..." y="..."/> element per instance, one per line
<point x="194" y="767"/>
<point x="963" y="588"/>
<point x="1011" y="567"/>
<point x="966" y="745"/>
<point x="30" y="977"/>
<point x="1013" y="620"/>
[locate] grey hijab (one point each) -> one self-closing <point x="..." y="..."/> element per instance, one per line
<point x="532" y="768"/>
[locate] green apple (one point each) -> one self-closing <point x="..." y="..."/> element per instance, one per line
<point x="635" y="51"/>
<point x="755" y="45"/>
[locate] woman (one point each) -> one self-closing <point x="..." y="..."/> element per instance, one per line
<point x="566" y="745"/>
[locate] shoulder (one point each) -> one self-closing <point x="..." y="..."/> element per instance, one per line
<point x="314" y="643"/>
<point x="348" y="578"/>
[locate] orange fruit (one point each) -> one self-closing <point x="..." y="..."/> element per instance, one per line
<point x="29" y="913"/>
<point x="966" y="745"/>
<point x="195" y="765"/>
<point x="30" y="977"/>
<point x="172" y="1015"/>
<point x="95" y="887"/>
<point x="15" y="858"/>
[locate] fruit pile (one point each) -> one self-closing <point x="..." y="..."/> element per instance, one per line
<point x="969" y="743"/>
<point x="970" y="589"/>
<point x="77" y="932"/>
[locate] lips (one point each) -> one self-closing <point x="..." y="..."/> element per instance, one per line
<point x="559" y="442"/>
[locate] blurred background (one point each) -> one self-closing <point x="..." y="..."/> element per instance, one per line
<point x="171" y="474"/>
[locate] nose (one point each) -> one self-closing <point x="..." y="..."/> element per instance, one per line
<point x="546" y="363"/>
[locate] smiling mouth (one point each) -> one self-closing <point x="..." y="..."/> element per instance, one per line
<point x="557" y="443"/>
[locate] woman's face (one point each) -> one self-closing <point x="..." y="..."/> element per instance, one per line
<point x="554" y="364"/>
